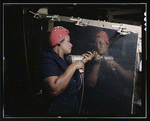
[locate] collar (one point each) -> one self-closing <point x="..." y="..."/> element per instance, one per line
<point x="59" y="60"/>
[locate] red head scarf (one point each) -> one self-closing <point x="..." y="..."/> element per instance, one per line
<point x="57" y="35"/>
<point x="103" y="35"/>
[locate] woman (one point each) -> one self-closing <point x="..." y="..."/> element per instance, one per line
<point x="107" y="81"/>
<point x="102" y="45"/>
<point x="61" y="81"/>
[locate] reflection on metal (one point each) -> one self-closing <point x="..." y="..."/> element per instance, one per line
<point x="107" y="58"/>
<point x="130" y="46"/>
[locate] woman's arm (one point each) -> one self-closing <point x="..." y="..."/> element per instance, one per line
<point x="127" y="74"/>
<point x="56" y="84"/>
<point x="93" y="75"/>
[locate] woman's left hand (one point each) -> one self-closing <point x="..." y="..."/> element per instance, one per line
<point x="87" y="56"/>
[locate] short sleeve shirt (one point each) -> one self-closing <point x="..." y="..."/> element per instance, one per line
<point x="51" y="64"/>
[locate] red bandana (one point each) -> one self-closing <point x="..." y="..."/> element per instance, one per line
<point x="103" y="35"/>
<point x="57" y="35"/>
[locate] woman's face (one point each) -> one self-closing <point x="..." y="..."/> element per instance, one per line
<point x="101" y="46"/>
<point x="66" y="46"/>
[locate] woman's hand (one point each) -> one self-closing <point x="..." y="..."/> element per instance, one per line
<point x="87" y="56"/>
<point x="97" y="56"/>
<point x="112" y="64"/>
<point x="79" y="65"/>
<point x="128" y="74"/>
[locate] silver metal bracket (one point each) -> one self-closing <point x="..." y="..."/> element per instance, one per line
<point x="36" y="15"/>
<point x="122" y="29"/>
<point x="53" y="18"/>
<point x="40" y="16"/>
<point x="77" y="20"/>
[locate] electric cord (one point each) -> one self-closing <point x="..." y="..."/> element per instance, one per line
<point x="26" y="58"/>
<point x="114" y="71"/>
<point x="82" y="93"/>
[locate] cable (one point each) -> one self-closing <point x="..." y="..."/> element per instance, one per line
<point x="82" y="93"/>
<point x="26" y="54"/>
<point x="116" y="75"/>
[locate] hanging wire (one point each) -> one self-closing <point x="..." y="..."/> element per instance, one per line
<point x="82" y="93"/>
<point x="31" y="90"/>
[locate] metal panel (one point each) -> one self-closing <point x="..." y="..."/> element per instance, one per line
<point x="118" y="93"/>
<point x="114" y="95"/>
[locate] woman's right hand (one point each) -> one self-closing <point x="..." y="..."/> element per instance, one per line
<point x="79" y="65"/>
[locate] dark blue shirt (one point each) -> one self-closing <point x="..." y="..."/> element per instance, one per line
<point x="51" y="64"/>
<point x="107" y="97"/>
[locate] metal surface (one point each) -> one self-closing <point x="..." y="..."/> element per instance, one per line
<point x="125" y="48"/>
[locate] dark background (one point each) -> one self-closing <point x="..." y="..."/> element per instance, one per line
<point x="24" y="41"/>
